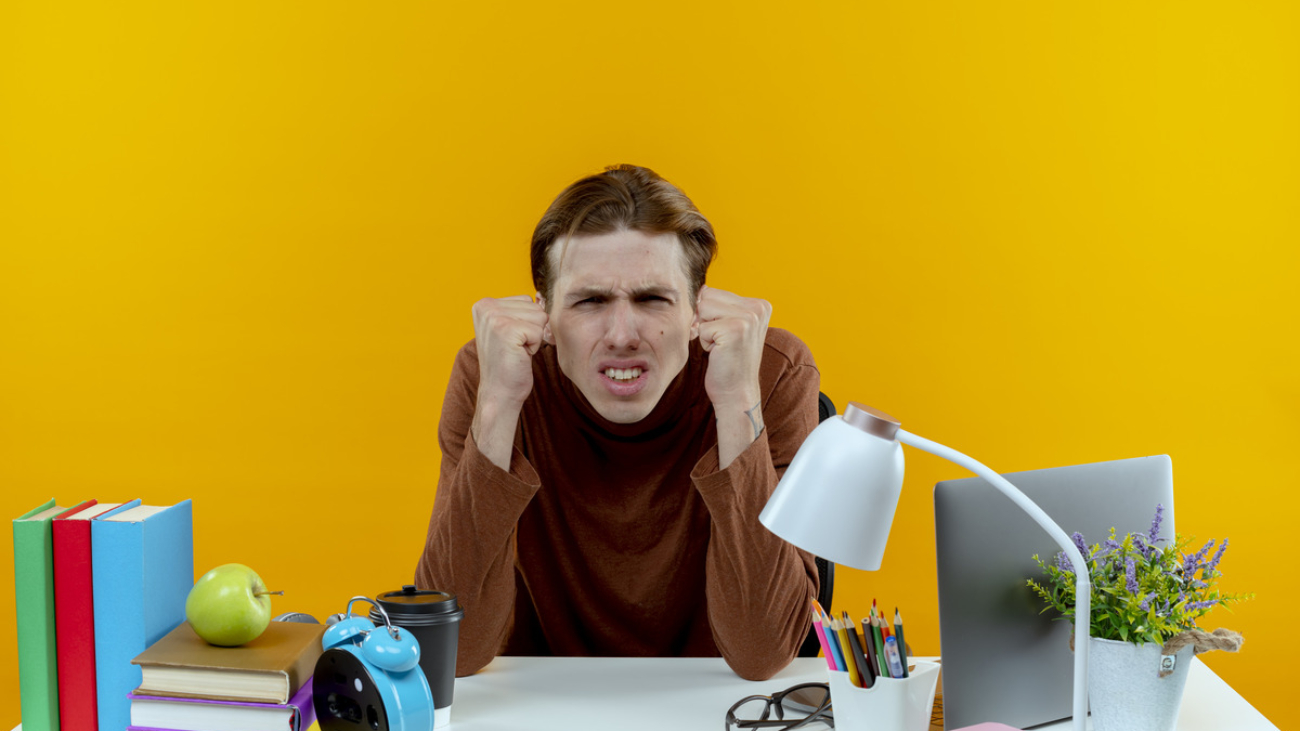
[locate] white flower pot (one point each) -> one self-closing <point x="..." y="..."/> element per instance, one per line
<point x="1125" y="690"/>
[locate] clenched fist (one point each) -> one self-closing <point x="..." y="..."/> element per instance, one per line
<point x="733" y="330"/>
<point x="508" y="332"/>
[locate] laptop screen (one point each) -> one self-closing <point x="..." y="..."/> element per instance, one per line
<point x="1003" y="659"/>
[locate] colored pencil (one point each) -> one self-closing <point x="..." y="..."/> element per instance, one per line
<point x="851" y="665"/>
<point x="834" y="644"/>
<point x="902" y="646"/>
<point x="868" y="676"/>
<point x="821" y="635"/>
<point x="869" y="647"/>
<point x="880" y="644"/>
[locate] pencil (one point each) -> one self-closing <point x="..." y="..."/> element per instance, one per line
<point x="869" y="647"/>
<point x="849" y="662"/>
<point x="864" y="667"/>
<point x="835" y="645"/>
<point x="876" y="635"/>
<point x="902" y="646"/>
<point x="821" y="635"/>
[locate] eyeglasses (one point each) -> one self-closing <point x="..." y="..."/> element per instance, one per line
<point x="806" y="703"/>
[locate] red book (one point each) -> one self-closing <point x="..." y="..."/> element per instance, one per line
<point x="74" y="616"/>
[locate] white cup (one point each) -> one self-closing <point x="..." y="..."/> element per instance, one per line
<point x="891" y="704"/>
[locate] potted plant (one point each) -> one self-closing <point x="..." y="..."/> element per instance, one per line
<point x="1146" y="599"/>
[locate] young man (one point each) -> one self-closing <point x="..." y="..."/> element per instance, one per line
<point x="607" y="449"/>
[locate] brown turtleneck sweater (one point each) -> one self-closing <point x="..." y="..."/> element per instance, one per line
<point x="623" y="539"/>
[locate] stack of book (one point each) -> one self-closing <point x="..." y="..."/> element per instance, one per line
<point x="264" y="685"/>
<point x="95" y="584"/>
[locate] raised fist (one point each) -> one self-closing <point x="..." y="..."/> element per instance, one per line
<point x="733" y="330"/>
<point x="508" y="332"/>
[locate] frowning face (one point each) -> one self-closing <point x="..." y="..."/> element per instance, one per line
<point x="622" y="319"/>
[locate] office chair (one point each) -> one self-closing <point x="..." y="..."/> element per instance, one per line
<point x="825" y="569"/>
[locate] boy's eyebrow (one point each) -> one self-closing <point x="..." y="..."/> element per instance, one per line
<point x="585" y="292"/>
<point x="653" y="290"/>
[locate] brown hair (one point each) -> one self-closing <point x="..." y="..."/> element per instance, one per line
<point x="624" y="197"/>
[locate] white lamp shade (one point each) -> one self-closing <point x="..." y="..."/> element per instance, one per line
<point x="838" y="496"/>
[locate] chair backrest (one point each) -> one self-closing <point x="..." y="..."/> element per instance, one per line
<point x="825" y="569"/>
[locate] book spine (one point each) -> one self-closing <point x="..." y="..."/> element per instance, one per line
<point x="117" y="576"/>
<point x="142" y="572"/>
<point x="302" y="700"/>
<point x="38" y="677"/>
<point x="300" y="673"/>
<point x="74" y="620"/>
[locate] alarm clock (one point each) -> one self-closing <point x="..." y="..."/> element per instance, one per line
<point x="369" y="677"/>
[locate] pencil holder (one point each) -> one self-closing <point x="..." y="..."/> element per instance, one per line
<point x="891" y="704"/>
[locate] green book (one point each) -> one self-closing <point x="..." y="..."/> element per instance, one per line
<point x="38" y="672"/>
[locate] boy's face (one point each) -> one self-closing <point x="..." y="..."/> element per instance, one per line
<point x="621" y="319"/>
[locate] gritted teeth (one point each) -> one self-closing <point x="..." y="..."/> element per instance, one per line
<point x="623" y="374"/>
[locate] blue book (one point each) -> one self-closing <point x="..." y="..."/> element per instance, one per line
<point x="142" y="559"/>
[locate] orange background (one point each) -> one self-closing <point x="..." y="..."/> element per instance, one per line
<point x="239" y="243"/>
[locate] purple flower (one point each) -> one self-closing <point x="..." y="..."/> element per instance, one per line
<point x="1193" y="562"/>
<point x="1146" y="601"/>
<point x="1140" y="541"/>
<point x="1198" y="606"/>
<point x="1154" y="534"/>
<point x="1208" y="572"/>
<point x="1130" y="576"/>
<point x="1082" y="545"/>
<point x="1063" y="562"/>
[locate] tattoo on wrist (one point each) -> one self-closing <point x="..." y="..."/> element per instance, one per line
<point x="756" y="419"/>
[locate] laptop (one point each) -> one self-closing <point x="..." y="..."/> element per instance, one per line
<point x="1003" y="659"/>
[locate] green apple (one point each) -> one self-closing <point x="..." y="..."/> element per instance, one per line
<point x="229" y="605"/>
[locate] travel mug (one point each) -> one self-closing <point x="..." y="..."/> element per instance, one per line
<point x="433" y="618"/>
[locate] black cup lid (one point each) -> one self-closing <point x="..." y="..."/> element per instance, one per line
<point x="410" y="600"/>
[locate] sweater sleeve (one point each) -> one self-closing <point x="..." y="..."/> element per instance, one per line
<point x="470" y="549"/>
<point x="758" y="586"/>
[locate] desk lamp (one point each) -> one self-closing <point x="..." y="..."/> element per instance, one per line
<point x="838" y="496"/>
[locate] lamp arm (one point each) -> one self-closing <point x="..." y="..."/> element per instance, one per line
<point x="1082" y="590"/>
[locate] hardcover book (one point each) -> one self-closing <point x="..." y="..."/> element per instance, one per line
<point x="142" y="560"/>
<point x="74" y="616"/>
<point x="38" y="675"/>
<point x="269" y="669"/>
<point x="156" y="713"/>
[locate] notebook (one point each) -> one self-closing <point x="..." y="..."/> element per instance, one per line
<point x="1003" y="660"/>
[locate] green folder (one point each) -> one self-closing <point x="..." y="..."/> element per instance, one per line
<point x="38" y="674"/>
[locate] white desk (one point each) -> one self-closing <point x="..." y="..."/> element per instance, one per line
<point x="684" y="694"/>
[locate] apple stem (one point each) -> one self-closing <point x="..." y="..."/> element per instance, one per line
<point x="267" y="593"/>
